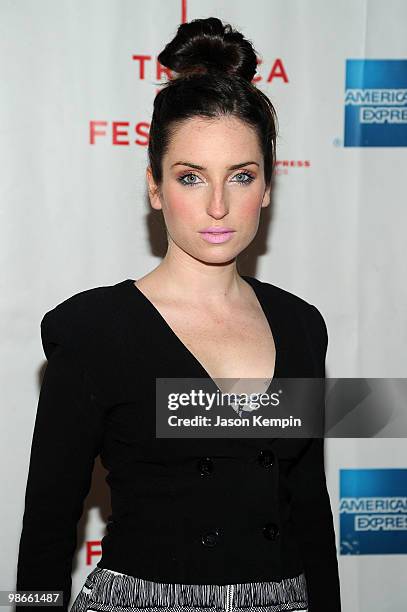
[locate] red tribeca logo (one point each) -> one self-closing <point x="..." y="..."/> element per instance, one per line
<point x="277" y="70"/>
<point x="120" y="130"/>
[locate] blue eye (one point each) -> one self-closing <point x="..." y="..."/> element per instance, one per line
<point x="181" y="179"/>
<point x="248" y="175"/>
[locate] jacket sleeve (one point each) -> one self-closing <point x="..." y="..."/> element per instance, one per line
<point x="311" y="509"/>
<point x="67" y="437"/>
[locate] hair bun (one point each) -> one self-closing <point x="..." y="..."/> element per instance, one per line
<point x="204" y="46"/>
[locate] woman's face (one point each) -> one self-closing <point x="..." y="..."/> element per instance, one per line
<point x="214" y="195"/>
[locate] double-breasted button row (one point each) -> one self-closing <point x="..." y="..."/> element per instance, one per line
<point x="205" y="467"/>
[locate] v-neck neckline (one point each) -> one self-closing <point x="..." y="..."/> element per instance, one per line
<point x="265" y="306"/>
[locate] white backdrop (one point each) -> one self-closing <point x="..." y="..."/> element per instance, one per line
<point x="75" y="213"/>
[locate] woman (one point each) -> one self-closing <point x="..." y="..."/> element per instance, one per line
<point x="196" y="523"/>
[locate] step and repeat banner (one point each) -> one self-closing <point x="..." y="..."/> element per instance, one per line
<point x="78" y="84"/>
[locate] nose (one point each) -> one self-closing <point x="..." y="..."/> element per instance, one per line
<point x="217" y="207"/>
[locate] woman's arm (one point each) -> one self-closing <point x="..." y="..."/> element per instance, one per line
<point x="67" y="437"/>
<point x="311" y="509"/>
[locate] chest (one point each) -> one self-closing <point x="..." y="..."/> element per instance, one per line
<point x="233" y="345"/>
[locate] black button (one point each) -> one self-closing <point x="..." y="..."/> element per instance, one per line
<point x="205" y="466"/>
<point x="266" y="458"/>
<point x="270" y="531"/>
<point x="210" y="538"/>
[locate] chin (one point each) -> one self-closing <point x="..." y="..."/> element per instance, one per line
<point x="221" y="257"/>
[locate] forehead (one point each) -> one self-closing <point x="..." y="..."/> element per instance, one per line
<point x="214" y="139"/>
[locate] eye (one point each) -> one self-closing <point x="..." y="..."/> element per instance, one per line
<point x="249" y="175"/>
<point x="249" y="178"/>
<point x="183" y="178"/>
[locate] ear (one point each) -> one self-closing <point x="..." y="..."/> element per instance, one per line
<point x="266" y="197"/>
<point x="153" y="191"/>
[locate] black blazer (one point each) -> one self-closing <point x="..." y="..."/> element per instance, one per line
<point x="183" y="510"/>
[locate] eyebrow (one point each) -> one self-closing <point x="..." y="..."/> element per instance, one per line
<point x="234" y="167"/>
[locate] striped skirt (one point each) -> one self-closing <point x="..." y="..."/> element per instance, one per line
<point x="108" y="591"/>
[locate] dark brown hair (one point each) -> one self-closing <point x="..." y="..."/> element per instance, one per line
<point x="215" y="66"/>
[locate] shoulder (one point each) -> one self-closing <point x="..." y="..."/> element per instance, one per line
<point x="82" y="318"/>
<point x="292" y="306"/>
<point x="99" y="329"/>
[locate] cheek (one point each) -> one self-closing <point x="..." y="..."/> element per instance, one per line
<point x="249" y="204"/>
<point x="179" y="206"/>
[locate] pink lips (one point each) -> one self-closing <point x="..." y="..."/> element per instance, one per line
<point x="216" y="235"/>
